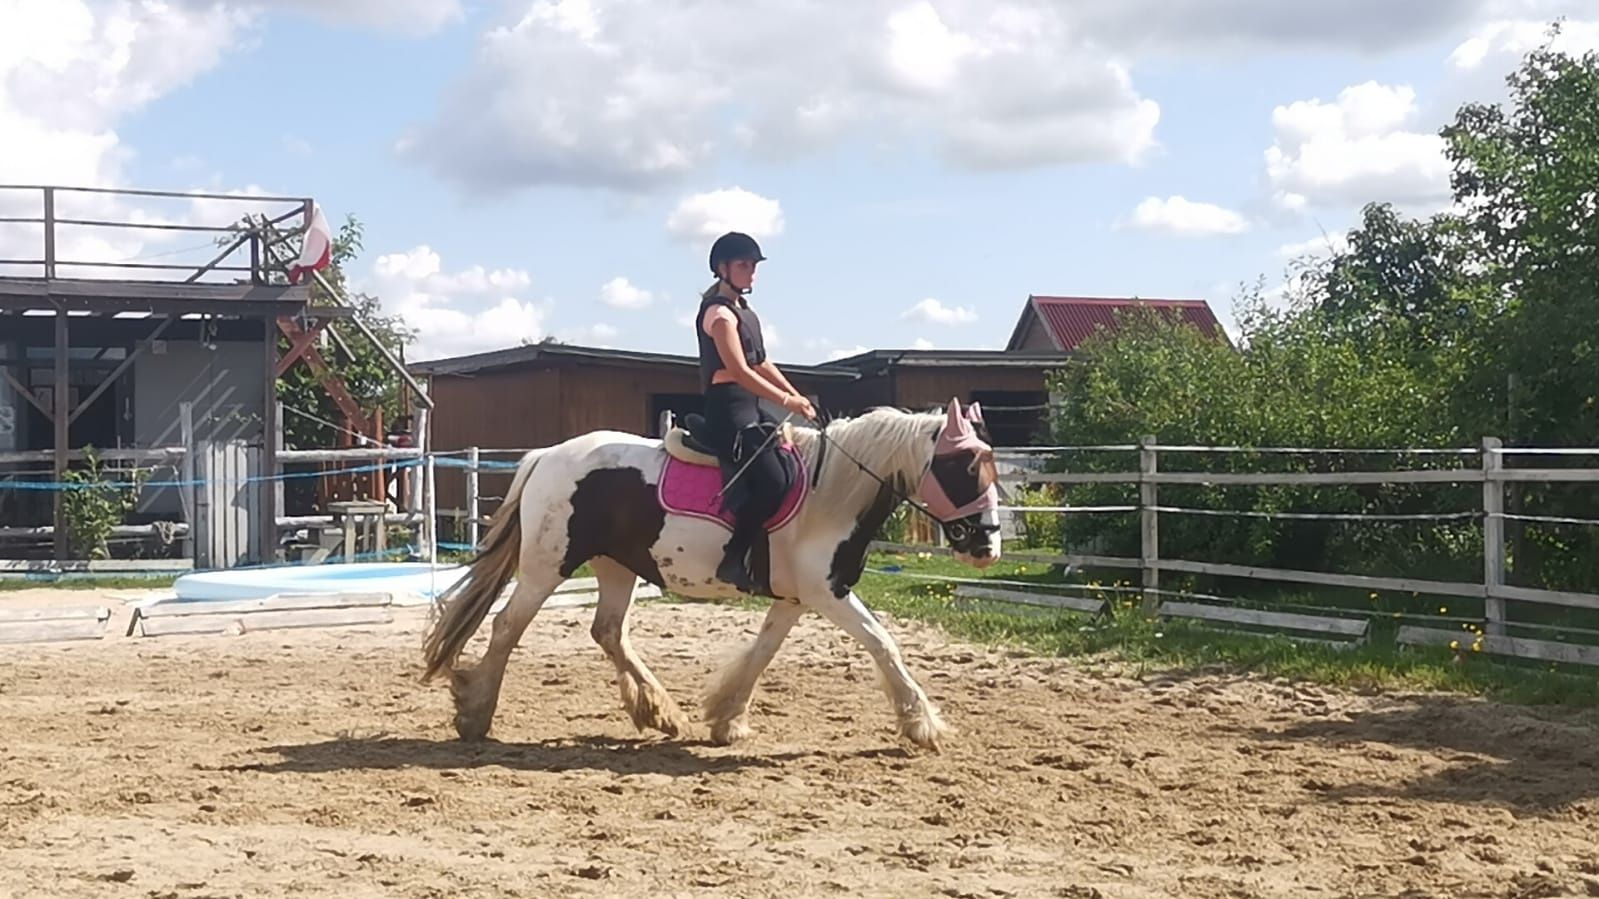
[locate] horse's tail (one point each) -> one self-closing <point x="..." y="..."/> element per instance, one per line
<point x="468" y="601"/>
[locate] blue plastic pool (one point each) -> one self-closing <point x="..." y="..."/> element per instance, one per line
<point x="408" y="582"/>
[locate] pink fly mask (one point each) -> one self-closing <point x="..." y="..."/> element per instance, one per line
<point x="960" y="481"/>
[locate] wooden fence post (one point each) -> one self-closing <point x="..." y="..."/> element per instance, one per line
<point x="473" y="509"/>
<point x="1493" y="535"/>
<point x="1149" y="524"/>
<point x="187" y="492"/>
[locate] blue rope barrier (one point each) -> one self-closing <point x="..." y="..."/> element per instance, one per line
<point x="74" y="485"/>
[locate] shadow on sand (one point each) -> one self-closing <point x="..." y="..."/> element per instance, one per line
<point x="1519" y="758"/>
<point x="592" y="753"/>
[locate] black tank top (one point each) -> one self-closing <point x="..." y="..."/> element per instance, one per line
<point x="749" y="337"/>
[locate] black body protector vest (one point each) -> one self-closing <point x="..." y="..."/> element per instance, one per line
<point x="749" y="337"/>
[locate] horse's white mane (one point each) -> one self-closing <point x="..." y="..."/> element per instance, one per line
<point x="888" y="441"/>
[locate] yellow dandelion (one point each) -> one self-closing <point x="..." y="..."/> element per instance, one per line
<point x="1443" y="610"/>
<point x="1373" y="595"/>
<point x="1454" y="644"/>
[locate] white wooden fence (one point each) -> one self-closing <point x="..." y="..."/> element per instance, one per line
<point x="1492" y="474"/>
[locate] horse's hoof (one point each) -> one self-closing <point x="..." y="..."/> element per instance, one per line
<point x="726" y="733"/>
<point x="471" y="730"/>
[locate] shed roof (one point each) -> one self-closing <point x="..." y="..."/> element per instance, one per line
<point x="533" y="353"/>
<point x="874" y="360"/>
<point x="1070" y="320"/>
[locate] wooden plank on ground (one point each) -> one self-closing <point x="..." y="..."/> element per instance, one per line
<point x="1523" y="647"/>
<point x="56" y="629"/>
<point x="281" y="602"/>
<point x="1348" y="627"/>
<point x="263" y="621"/>
<point x="53" y="613"/>
<point x="313" y="609"/>
<point x="1051" y="600"/>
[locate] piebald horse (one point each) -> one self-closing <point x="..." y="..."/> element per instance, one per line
<point x="594" y="498"/>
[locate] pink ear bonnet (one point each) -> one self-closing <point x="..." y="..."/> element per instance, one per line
<point x="956" y="438"/>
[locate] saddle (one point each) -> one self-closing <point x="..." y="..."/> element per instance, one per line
<point x="681" y="444"/>
<point x="692" y="479"/>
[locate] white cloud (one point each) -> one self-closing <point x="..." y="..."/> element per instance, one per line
<point x="703" y="217"/>
<point x="1324" y="245"/>
<point x="70" y="71"/>
<point x="1225" y="27"/>
<point x="454" y="313"/>
<point x="855" y="350"/>
<point x="600" y="335"/>
<point x="1181" y="216"/>
<point x="1355" y="150"/>
<point x="921" y="343"/>
<point x="574" y="93"/>
<point x="619" y="293"/>
<point x="410" y="17"/>
<point x="933" y="312"/>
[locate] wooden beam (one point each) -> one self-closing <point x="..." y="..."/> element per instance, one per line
<point x="117" y="372"/>
<point x="1547" y="650"/>
<point x="267" y="513"/>
<point x="1348" y="627"/>
<point x="26" y="394"/>
<point x="299" y="340"/>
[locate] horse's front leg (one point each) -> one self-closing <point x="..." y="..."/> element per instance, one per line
<point x="919" y="720"/>
<point x="727" y="701"/>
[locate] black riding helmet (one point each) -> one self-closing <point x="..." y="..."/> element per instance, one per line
<point x="734" y="245"/>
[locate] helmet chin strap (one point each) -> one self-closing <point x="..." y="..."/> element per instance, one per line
<point x="741" y="291"/>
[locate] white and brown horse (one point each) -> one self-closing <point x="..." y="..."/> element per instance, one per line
<point x="597" y="498"/>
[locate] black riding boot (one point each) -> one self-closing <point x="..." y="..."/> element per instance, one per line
<point x="734" y="568"/>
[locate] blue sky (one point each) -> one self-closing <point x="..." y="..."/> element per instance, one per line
<point x="914" y="169"/>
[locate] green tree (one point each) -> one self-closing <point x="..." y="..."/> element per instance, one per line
<point x="1529" y="178"/>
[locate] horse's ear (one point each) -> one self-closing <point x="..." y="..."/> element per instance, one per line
<point x="955" y="423"/>
<point x="974" y="412"/>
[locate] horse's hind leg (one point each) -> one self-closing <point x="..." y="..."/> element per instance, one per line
<point x="477" y="689"/>
<point x="727" y="701"/>
<point x="646" y="700"/>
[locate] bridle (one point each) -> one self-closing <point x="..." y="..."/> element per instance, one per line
<point x="957" y="530"/>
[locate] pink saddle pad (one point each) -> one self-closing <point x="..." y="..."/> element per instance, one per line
<point x="690" y="489"/>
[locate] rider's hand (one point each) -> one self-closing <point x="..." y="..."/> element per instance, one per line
<point x="795" y="402"/>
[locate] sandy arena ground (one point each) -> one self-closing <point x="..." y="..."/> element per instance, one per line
<point x="289" y="764"/>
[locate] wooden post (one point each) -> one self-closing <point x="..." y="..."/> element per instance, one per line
<point x="1149" y="524"/>
<point x="267" y="508"/>
<point x="49" y="232"/>
<point x="428" y="532"/>
<point x="1493" y="534"/>
<point x="186" y="492"/>
<point x="473" y="507"/>
<point x="62" y="417"/>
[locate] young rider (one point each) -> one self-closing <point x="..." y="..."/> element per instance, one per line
<point x="734" y="375"/>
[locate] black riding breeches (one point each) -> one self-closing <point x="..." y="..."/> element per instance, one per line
<point x="738" y="427"/>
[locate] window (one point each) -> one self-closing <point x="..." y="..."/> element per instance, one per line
<point x="679" y="404"/>
<point x="1014" y="417"/>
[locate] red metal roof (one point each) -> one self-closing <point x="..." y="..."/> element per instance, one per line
<point x="1070" y="320"/>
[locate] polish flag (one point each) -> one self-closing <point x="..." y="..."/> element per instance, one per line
<point x="317" y="249"/>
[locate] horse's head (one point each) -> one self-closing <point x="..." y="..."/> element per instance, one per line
<point x="960" y="489"/>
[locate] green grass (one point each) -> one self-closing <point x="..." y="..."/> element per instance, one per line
<point x="1147" y="646"/>
<point x="89" y="582"/>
